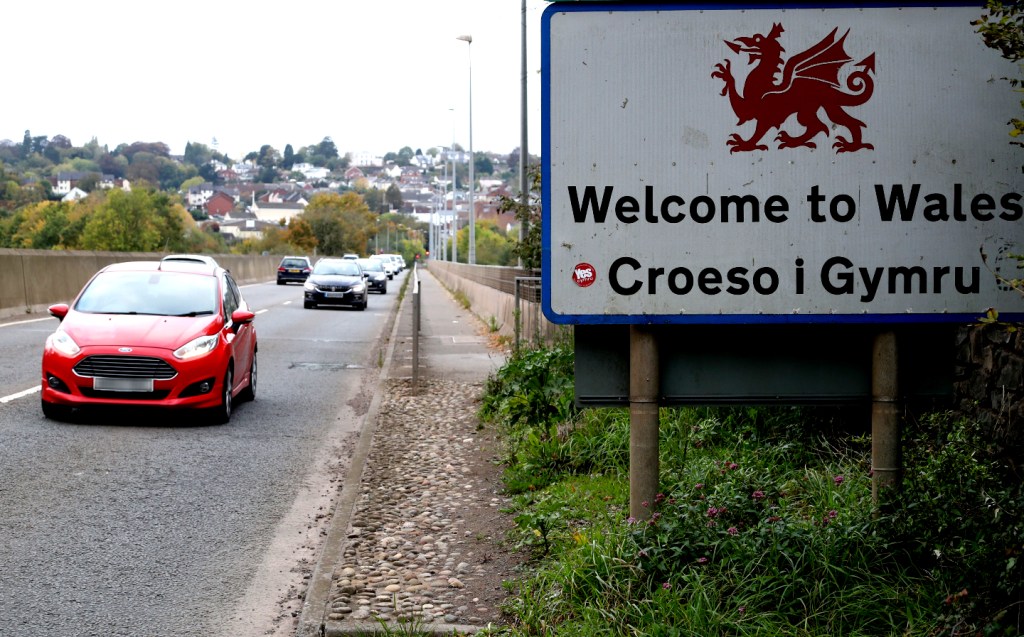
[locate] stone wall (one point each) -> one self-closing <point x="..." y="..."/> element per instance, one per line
<point x="490" y="291"/>
<point x="32" y="280"/>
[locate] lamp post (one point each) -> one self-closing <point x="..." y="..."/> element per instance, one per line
<point x="471" y="259"/>
<point x="524" y="182"/>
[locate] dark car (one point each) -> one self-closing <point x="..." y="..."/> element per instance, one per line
<point x="336" y="282"/>
<point x="171" y="334"/>
<point x="293" y="269"/>
<point x="376" y="277"/>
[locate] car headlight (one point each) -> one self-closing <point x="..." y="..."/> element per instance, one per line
<point x="309" y="285"/>
<point x="197" y="347"/>
<point x="358" y="287"/>
<point x="63" y="343"/>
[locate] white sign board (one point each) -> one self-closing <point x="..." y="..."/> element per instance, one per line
<point x="776" y="165"/>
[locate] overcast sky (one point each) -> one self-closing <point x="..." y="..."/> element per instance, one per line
<point x="374" y="75"/>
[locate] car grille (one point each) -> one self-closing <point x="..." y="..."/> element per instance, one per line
<point x="334" y="288"/>
<point x="125" y="367"/>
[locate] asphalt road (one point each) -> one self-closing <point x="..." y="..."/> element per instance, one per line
<point x="131" y="524"/>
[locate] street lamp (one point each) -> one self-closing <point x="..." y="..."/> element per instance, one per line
<point x="468" y="39"/>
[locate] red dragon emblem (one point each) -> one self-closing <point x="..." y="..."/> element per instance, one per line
<point x="809" y="83"/>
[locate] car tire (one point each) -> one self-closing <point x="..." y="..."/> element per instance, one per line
<point x="280" y="282"/>
<point x="308" y="305"/>
<point x="221" y="414"/>
<point x="55" y="412"/>
<point x="249" y="393"/>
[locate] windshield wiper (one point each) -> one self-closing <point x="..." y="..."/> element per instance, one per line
<point x="194" y="313"/>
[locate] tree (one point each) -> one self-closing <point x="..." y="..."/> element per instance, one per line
<point x="142" y="220"/>
<point x="1002" y="28"/>
<point x="198" y="155"/>
<point x="300" y="235"/>
<point x="340" y="223"/>
<point x="327" y="149"/>
<point x="528" y="251"/>
<point x="492" y="246"/>
<point x="268" y="157"/>
<point x="482" y="164"/>
<point x="289" y="157"/>
<point x="394" y="197"/>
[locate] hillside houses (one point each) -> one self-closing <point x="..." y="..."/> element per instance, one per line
<point x="67" y="181"/>
<point x="245" y="209"/>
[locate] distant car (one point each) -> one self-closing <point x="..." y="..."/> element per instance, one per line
<point x="376" y="277"/>
<point x="389" y="265"/>
<point x="396" y="261"/>
<point x="293" y="270"/>
<point x="169" y="334"/>
<point x="350" y="256"/>
<point x="335" y="281"/>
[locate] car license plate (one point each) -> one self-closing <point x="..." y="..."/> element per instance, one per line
<point x="292" y="270"/>
<point x="334" y="295"/>
<point x="122" y="384"/>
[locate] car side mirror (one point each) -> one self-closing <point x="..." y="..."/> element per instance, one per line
<point x="240" y="318"/>
<point x="59" y="311"/>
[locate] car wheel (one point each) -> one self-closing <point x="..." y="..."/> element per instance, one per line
<point x="221" y="414"/>
<point x="249" y="393"/>
<point x="362" y="306"/>
<point x="308" y="305"/>
<point x="384" y="290"/>
<point x="280" y="282"/>
<point x="55" y="412"/>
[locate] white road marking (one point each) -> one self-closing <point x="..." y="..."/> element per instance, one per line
<point x="21" y="394"/>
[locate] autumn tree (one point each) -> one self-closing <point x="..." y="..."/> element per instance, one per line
<point x="138" y="221"/>
<point x="340" y="223"/>
<point x="300" y="235"/>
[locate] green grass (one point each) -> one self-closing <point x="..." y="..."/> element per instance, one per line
<point x="765" y="524"/>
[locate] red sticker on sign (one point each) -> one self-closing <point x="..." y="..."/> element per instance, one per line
<point x="584" y="274"/>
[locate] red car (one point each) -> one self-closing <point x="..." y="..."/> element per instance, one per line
<point x="171" y="334"/>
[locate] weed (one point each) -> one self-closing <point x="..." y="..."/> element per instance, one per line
<point x="765" y="526"/>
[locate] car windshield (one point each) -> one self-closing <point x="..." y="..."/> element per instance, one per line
<point x="343" y="267"/>
<point x="373" y="265"/>
<point x="157" y="293"/>
<point x="294" y="263"/>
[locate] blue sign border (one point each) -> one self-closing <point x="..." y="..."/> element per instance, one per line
<point x="701" y="319"/>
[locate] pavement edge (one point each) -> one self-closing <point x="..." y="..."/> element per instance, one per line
<point x="312" y="620"/>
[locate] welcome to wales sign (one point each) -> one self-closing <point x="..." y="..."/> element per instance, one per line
<point x="711" y="164"/>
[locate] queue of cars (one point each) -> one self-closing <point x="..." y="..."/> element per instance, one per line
<point x="177" y="334"/>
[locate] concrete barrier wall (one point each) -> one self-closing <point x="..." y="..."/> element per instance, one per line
<point x="32" y="280"/>
<point x="490" y="291"/>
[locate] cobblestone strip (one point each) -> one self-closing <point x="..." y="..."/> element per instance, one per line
<point x="408" y="555"/>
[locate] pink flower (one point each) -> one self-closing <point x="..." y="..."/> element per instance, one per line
<point x="733" y="466"/>
<point x="758" y="495"/>
<point x="702" y="560"/>
<point x="733" y="530"/>
<point x="699" y="486"/>
<point x="838" y="480"/>
<point x="832" y="514"/>
<point x="666" y="586"/>
<point x="712" y="512"/>
<point x="743" y="609"/>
